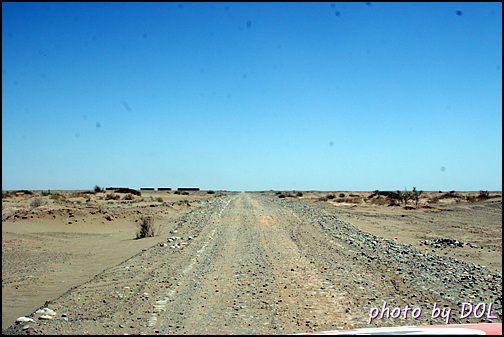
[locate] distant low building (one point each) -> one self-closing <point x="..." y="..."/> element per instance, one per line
<point x="147" y="188"/>
<point x="164" y="188"/>
<point x="188" y="189"/>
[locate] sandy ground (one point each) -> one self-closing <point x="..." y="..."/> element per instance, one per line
<point x="46" y="250"/>
<point x="70" y="244"/>
<point x="479" y="223"/>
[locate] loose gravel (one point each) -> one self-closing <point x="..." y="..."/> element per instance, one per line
<point x="252" y="264"/>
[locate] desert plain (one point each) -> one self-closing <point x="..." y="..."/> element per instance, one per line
<point x="263" y="262"/>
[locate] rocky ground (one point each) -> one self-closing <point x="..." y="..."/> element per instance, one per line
<point x="253" y="263"/>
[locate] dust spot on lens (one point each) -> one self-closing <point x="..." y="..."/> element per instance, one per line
<point x="98" y="125"/>
<point x="331" y="143"/>
<point x="459" y="13"/>
<point x="443" y="168"/>
<point x="126" y="106"/>
<point x="249" y="24"/>
<point x="337" y="13"/>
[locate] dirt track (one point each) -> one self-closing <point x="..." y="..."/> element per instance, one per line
<point x="252" y="264"/>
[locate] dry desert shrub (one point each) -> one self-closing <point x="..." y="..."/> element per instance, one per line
<point x="129" y="197"/>
<point x="379" y="201"/>
<point x="112" y="196"/>
<point x="146" y="228"/>
<point x="7" y="194"/>
<point x="36" y="203"/>
<point x="483" y="195"/>
<point x="353" y="200"/>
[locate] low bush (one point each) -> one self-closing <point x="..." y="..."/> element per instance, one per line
<point x="24" y="192"/>
<point x="129" y="196"/>
<point x="281" y="196"/>
<point x="483" y="195"/>
<point x="451" y="194"/>
<point x="7" y="194"/>
<point x="36" y="203"/>
<point x="57" y="196"/>
<point x="128" y="190"/>
<point x="146" y="228"/>
<point x="112" y="196"/>
<point x="330" y="196"/>
<point x="211" y="192"/>
<point x="379" y="201"/>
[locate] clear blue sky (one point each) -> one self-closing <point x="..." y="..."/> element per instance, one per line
<point x="252" y="96"/>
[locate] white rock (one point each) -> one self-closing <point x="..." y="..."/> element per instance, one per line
<point x="45" y="317"/>
<point x="24" y="320"/>
<point x="46" y="311"/>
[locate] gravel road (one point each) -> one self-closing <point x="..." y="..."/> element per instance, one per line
<point x="252" y="264"/>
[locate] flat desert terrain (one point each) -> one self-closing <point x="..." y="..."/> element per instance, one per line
<point x="248" y="262"/>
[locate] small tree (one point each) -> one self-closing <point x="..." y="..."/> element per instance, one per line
<point x="396" y="197"/>
<point x="97" y="189"/>
<point x="406" y="196"/>
<point x="416" y="195"/>
<point x="483" y="195"/>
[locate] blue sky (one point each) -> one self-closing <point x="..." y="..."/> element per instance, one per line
<point x="252" y="96"/>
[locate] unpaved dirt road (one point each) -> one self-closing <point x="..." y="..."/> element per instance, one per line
<point x="252" y="264"/>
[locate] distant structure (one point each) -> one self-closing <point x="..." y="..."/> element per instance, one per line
<point x="114" y="188"/>
<point x="164" y="189"/>
<point x="188" y="189"/>
<point x="147" y="189"/>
